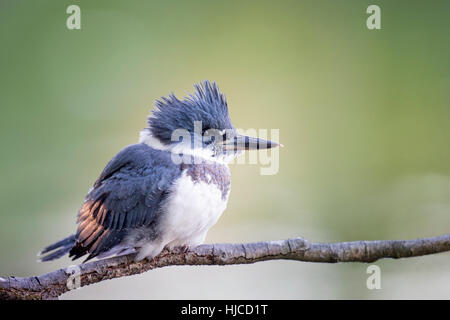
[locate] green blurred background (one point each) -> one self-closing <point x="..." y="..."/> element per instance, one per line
<point x="364" y="116"/>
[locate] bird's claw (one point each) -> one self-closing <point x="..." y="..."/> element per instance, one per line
<point x="181" y="249"/>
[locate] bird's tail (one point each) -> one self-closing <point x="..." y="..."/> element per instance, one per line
<point x="58" y="249"/>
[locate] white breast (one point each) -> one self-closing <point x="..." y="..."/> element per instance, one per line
<point x="192" y="209"/>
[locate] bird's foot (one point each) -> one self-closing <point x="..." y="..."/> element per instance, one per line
<point x="181" y="249"/>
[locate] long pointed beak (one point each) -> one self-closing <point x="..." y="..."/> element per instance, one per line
<point x="241" y="142"/>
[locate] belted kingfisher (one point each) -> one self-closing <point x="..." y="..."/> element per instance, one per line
<point x="167" y="190"/>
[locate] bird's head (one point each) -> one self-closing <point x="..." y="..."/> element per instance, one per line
<point x="198" y="125"/>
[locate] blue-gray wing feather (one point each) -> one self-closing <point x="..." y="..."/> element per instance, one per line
<point x="127" y="195"/>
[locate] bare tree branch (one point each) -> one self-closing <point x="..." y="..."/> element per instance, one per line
<point x="54" y="284"/>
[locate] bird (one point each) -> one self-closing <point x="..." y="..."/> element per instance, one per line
<point x="167" y="190"/>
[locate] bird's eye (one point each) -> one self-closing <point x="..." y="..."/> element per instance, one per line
<point x="208" y="138"/>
